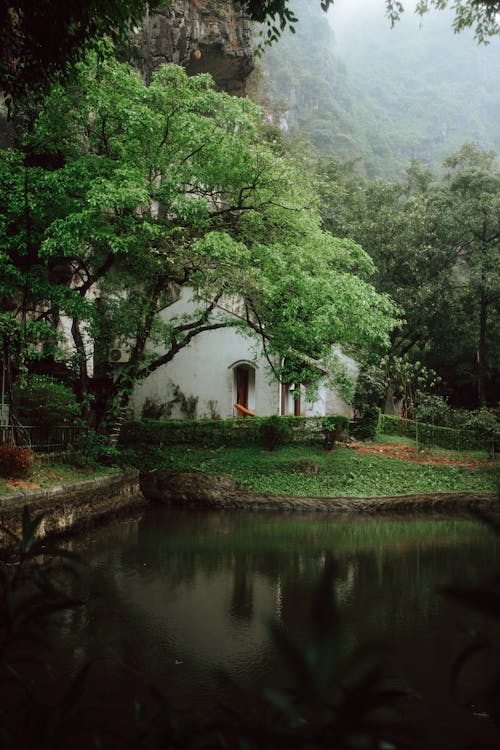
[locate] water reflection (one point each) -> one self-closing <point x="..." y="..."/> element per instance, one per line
<point x="180" y="595"/>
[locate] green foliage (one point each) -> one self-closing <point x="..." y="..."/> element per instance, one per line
<point x="274" y="432"/>
<point x="486" y="425"/>
<point x="408" y="381"/>
<point x="16" y="462"/>
<point x="96" y="450"/>
<point x="9" y="332"/>
<point x="146" y="191"/>
<point x="432" y="408"/>
<point x="367" y="425"/>
<point x="435" y="244"/>
<point x="39" y="39"/>
<point x="43" y="402"/>
<point x="209" y="432"/>
<point x="150" y="433"/>
<point x="371" y="387"/>
<point x="342" y="473"/>
<point x="333" y="428"/>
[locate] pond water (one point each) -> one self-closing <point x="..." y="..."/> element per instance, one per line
<point x="178" y="596"/>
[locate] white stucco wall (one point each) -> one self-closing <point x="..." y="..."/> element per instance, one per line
<point x="334" y="403"/>
<point x="206" y="370"/>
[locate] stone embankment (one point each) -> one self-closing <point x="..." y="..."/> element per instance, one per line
<point x="75" y="506"/>
<point x="202" y="491"/>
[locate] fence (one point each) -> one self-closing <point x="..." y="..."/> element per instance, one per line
<point x="44" y="439"/>
<point x="429" y="434"/>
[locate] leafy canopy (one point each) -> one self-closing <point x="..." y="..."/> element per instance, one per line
<point x="134" y="193"/>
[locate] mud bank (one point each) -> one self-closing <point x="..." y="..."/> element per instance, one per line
<point x="75" y="506"/>
<point x="202" y="491"/>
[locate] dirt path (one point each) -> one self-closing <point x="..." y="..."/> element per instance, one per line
<point x="409" y="453"/>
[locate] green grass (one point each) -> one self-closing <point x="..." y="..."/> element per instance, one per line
<point x="303" y="471"/>
<point x="426" y="450"/>
<point x="51" y="475"/>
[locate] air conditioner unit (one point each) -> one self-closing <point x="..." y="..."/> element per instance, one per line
<point x="118" y="355"/>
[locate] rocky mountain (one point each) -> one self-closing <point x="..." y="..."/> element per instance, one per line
<point x="306" y="86"/>
<point x="361" y="90"/>
<point x="203" y="36"/>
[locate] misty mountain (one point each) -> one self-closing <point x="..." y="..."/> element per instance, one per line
<point x="359" y="89"/>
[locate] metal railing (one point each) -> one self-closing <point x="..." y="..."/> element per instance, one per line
<point x="44" y="439"/>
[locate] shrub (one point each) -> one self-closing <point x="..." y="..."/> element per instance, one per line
<point x="434" y="409"/>
<point x="43" y="402"/>
<point x="486" y="426"/>
<point x="367" y="425"/>
<point x="275" y="431"/>
<point x="15" y="462"/>
<point x="212" y="433"/>
<point x="333" y="428"/>
<point x="97" y="450"/>
<point x="371" y="387"/>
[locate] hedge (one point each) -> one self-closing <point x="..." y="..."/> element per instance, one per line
<point x="215" y="432"/>
<point x="429" y="434"/>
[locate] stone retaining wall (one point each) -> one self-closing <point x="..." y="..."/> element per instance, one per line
<point x="211" y="492"/>
<point x="73" y="506"/>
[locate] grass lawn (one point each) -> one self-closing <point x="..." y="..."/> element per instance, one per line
<point x="301" y="470"/>
<point x="50" y="475"/>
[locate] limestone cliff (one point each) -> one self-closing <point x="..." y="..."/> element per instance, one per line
<point x="203" y="36"/>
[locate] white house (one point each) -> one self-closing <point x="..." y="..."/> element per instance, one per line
<point x="224" y="368"/>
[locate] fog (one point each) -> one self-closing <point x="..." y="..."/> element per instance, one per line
<point x="360" y="89"/>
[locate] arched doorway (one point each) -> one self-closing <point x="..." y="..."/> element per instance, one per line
<point x="244" y="386"/>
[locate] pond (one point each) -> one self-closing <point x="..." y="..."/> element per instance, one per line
<point x="178" y="596"/>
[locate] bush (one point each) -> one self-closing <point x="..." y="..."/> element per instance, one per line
<point x="43" y="402"/>
<point x="275" y="431"/>
<point x="15" y="462"/>
<point x="486" y="426"/>
<point x="214" y="432"/>
<point x="97" y="450"/>
<point x="433" y="409"/>
<point x="371" y="387"/>
<point x="333" y="428"/>
<point x="211" y="433"/>
<point x="368" y="424"/>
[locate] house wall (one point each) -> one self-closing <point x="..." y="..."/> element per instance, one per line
<point x="206" y="369"/>
<point x="201" y="379"/>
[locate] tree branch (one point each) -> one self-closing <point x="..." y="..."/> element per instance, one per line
<point x="177" y="346"/>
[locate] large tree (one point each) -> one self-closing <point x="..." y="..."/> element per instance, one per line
<point x="435" y="244"/>
<point x="125" y="194"/>
<point x="392" y="222"/>
<point x="466" y="218"/>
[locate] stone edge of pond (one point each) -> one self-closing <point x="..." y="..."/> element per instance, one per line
<point x="74" y="506"/>
<point x="203" y="491"/>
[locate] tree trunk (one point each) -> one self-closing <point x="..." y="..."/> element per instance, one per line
<point x="82" y="365"/>
<point x="481" y="351"/>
